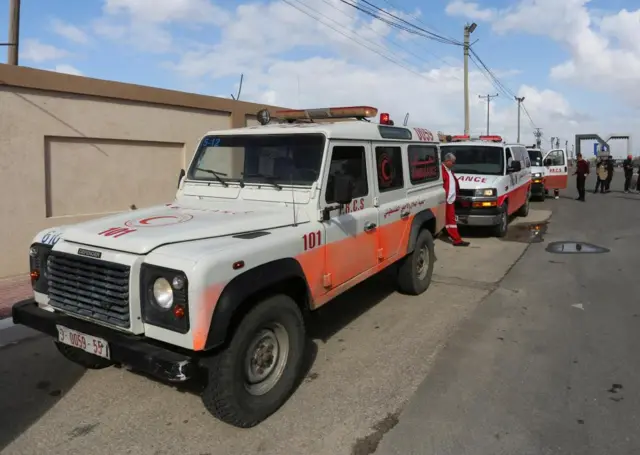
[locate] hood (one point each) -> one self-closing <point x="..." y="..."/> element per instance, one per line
<point x="476" y="181"/>
<point x="141" y="231"/>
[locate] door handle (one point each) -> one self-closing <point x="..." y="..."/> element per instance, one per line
<point x="565" y="169"/>
<point x="405" y="213"/>
<point x="369" y="226"/>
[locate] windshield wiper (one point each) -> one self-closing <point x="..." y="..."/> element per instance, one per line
<point x="216" y="174"/>
<point x="269" y="179"/>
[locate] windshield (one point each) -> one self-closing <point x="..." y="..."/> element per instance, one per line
<point x="476" y="159"/>
<point x="262" y="159"/>
<point x="536" y="157"/>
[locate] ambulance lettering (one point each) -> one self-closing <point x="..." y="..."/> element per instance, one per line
<point x="354" y="206"/>
<point x="470" y="178"/>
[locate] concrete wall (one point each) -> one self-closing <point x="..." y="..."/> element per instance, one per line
<point x="74" y="148"/>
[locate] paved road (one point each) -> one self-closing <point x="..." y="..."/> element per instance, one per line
<point x="548" y="363"/>
<point x="373" y="348"/>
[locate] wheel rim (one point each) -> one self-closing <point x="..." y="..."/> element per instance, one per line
<point x="266" y="358"/>
<point x="422" y="265"/>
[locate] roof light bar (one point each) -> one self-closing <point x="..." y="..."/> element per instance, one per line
<point x="466" y="137"/>
<point x="328" y="112"/>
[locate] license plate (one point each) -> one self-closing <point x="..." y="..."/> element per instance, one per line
<point x="92" y="345"/>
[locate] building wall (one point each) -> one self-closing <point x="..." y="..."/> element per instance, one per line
<point x="74" y="148"/>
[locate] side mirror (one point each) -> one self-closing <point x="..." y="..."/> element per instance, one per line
<point x="182" y="174"/>
<point x="515" y="166"/>
<point x="547" y="162"/>
<point x="343" y="189"/>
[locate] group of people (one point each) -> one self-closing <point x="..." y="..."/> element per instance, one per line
<point x="604" y="172"/>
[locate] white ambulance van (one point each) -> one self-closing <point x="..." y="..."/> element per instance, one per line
<point x="495" y="180"/>
<point x="549" y="171"/>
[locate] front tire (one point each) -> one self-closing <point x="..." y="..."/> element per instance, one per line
<point x="84" y="359"/>
<point x="501" y="229"/>
<point x="415" y="270"/>
<point x="256" y="374"/>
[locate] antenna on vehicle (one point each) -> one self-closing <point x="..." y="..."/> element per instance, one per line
<point x="406" y="119"/>
<point x="293" y="201"/>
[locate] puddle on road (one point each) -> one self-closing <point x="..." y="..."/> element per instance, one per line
<point x="570" y="247"/>
<point x="526" y="232"/>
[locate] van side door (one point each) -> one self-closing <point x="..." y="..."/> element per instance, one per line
<point x="391" y="194"/>
<point x="352" y="230"/>
<point x="557" y="172"/>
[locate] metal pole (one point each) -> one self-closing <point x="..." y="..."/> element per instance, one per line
<point x="467" y="34"/>
<point x="519" y="100"/>
<point x="14" y="32"/>
<point x="468" y="30"/>
<point x="488" y="97"/>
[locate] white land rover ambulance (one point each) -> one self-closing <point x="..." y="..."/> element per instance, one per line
<point x="269" y="223"/>
<point x="495" y="180"/>
<point x="549" y="171"/>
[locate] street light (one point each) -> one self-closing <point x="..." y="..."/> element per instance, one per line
<point x="472" y="27"/>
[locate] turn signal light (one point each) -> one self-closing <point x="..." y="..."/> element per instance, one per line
<point x="483" y="204"/>
<point x="35" y="274"/>
<point x="178" y="311"/>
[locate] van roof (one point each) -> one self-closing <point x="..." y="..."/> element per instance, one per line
<point x="350" y="130"/>
<point x="482" y="144"/>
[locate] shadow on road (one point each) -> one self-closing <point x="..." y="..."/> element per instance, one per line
<point x="33" y="378"/>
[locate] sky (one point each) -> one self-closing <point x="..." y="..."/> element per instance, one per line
<point x="576" y="62"/>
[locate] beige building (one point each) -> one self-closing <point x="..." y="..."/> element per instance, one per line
<point x="74" y="148"/>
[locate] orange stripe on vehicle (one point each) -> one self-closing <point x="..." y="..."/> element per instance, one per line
<point x="556" y="182"/>
<point x="202" y="321"/>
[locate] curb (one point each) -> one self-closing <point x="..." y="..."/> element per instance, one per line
<point x="6" y="323"/>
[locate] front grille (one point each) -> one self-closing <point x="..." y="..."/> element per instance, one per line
<point x="469" y="193"/>
<point x="88" y="287"/>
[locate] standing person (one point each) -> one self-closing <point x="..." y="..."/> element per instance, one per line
<point x="451" y="189"/>
<point x="609" y="165"/>
<point x="582" y="170"/>
<point x="627" y="165"/>
<point x="601" y="176"/>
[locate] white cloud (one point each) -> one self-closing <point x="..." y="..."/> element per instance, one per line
<point x="68" y="31"/>
<point x="470" y="10"/>
<point x="67" y="69"/>
<point x="264" y="41"/>
<point x="604" y="48"/>
<point x="35" y="51"/>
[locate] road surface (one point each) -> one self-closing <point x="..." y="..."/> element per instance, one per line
<point x="548" y="363"/>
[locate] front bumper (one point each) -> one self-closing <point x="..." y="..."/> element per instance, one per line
<point x="137" y="352"/>
<point x="537" y="189"/>
<point x="466" y="215"/>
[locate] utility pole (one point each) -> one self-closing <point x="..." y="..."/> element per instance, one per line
<point x="468" y="30"/>
<point x="488" y="97"/>
<point x="538" y="134"/>
<point x="519" y="100"/>
<point x="557" y="142"/>
<point x="14" y="32"/>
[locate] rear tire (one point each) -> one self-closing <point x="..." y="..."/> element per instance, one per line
<point x="84" y="359"/>
<point x="416" y="269"/>
<point x="257" y="373"/>
<point x="502" y="228"/>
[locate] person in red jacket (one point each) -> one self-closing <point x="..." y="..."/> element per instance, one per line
<point x="451" y="189"/>
<point x="582" y="170"/>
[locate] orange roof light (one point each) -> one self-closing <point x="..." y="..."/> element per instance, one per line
<point x="328" y="112"/>
<point x="493" y="138"/>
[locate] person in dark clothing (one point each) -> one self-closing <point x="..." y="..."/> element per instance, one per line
<point x="627" y="165"/>
<point x="609" y="164"/>
<point x="599" y="172"/>
<point x="582" y="170"/>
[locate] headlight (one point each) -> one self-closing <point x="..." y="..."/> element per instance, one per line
<point x="537" y="175"/>
<point x="164" y="296"/>
<point x="485" y="192"/>
<point x="163" y="293"/>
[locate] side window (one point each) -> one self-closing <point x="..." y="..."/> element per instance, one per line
<point x="348" y="160"/>
<point x="423" y="163"/>
<point x="556" y="157"/>
<point x="527" y="159"/>
<point x="509" y="157"/>
<point x="389" y="166"/>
